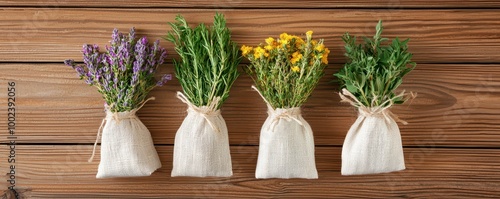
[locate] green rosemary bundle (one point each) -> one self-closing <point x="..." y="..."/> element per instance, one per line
<point x="374" y="70"/>
<point x="206" y="70"/>
<point x="209" y="59"/>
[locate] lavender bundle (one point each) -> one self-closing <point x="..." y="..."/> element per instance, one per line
<point x="124" y="75"/>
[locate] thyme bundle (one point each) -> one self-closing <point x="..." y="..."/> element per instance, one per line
<point x="287" y="69"/>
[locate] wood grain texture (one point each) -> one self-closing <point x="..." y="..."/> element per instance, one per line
<point x="438" y="36"/>
<point x="63" y="172"/>
<point x="456" y="106"/>
<point x="452" y="144"/>
<point x="391" y="4"/>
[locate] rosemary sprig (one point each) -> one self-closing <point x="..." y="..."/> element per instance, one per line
<point x="208" y="59"/>
<point x="374" y="71"/>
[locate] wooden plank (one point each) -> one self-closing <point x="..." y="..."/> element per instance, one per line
<point x="258" y="4"/>
<point x="456" y="106"/>
<point x="438" y="36"/>
<point x="63" y="172"/>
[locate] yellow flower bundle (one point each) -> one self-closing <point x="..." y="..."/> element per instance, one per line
<point x="286" y="69"/>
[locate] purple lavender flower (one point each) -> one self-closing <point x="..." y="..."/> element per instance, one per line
<point x="140" y="54"/>
<point x="91" y="56"/>
<point x="162" y="56"/>
<point x="140" y="47"/>
<point x="151" y="64"/>
<point x="116" y="37"/>
<point x="69" y="62"/>
<point x="131" y="34"/>
<point x="80" y="71"/>
<point x="137" y="67"/>
<point x="164" y="79"/>
<point x="135" y="79"/>
<point x="105" y="84"/>
<point x="124" y="55"/>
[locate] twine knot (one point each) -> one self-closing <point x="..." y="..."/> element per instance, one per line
<point x="280" y="113"/>
<point x="381" y="110"/>
<point x="205" y="111"/>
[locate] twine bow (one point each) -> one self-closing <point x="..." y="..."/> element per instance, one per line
<point x="287" y="114"/>
<point x="205" y="111"/>
<point x="115" y="116"/>
<point x="382" y="109"/>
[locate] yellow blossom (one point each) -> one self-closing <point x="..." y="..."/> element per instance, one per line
<point x="245" y="50"/>
<point x="270" y="41"/>
<point x="284" y="36"/>
<point x="324" y="58"/>
<point x="258" y="52"/>
<point x="320" y="47"/>
<point x="314" y="42"/>
<point x="269" y="47"/>
<point x="296" y="56"/>
<point x="299" y="42"/>
<point x="295" y="69"/>
<point x="266" y="54"/>
<point x="309" y="33"/>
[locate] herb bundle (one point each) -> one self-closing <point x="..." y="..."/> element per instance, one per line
<point x="375" y="71"/>
<point x="209" y="60"/>
<point x="368" y="81"/>
<point x="124" y="75"/>
<point x="286" y="70"/>
<point x="206" y="70"/>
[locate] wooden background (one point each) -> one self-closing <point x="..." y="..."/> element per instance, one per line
<point x="452" y="144"/>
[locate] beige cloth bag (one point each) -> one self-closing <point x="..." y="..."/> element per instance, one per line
<point x="127" y="149"/>
<point x="286" y="148"/>
<point x="373" y="143"/>
<point x="201" y="144"/>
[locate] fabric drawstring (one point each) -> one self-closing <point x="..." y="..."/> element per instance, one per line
<point x="205" y="111"/>
<point x="382" y="109"/>
<point x="277" y="114"/>
<point x="114" y="115"/>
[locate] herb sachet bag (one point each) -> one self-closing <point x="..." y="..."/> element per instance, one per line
<point x="124" y="75"/>
<point x="286" y="71"/>
<point x="368" y="82"/>
<point x="206" y="70"/>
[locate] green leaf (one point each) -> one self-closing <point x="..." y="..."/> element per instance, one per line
<point x="351" y="88"/>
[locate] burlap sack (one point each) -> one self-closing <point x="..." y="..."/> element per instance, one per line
<point x="286" y="148"/>
<point x="127" y="149"/>
<point x="373" y="143"/>
<point x="201" y="144"/>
